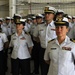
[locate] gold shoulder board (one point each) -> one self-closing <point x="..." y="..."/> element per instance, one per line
<point x="50" y="40"/>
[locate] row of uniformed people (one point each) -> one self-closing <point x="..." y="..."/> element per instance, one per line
<point x="44" y="32"/>
<point x="21" y="44"/>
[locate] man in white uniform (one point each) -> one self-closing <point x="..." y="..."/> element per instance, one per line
<point x="60" y="52"/>
<point x="45" y="32"/>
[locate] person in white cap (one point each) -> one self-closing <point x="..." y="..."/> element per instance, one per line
<point x="4" y="29"/>
<point x="59" y="13"/>
<point x="70" y="22"/>
<point x="36" y="48"/>
<point x="8" y="27"/>
<point x="22" y="47"/>
<point x="1" y="22"/>
<point x="60" y="52"/>
<point x="13" y="26"/>
<point x="39" y="18"/>
<point x="71" y="33"/>
<point x="73" y="20"/>
<point x="3" y="47"/>
<point x="28" y="25"/>
<point x="45" y="32"/>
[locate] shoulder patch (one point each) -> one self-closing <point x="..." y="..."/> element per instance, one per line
<point x="50" y="40"/>
<point x="73" y="40"/>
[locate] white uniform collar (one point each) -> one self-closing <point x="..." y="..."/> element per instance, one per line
<point x="67" y="40"/>
<point x="51" y="23"/>
<point x="21" y="34"/>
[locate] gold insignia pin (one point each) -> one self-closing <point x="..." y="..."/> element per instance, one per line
<point x="59" y="19"/>
<point x="46" y="8"/>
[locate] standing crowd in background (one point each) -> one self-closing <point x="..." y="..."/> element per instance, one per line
<point x="46" y="39"/>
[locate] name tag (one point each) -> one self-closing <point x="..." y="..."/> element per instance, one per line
<point x="53" y="48"/>
<point x="53" y="29"/>
<point x="66" y="48"/>
<point x="14" y="38"/>
<point x="23" y="38"/>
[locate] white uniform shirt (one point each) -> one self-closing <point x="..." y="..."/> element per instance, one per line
<point x="50" y="33"/>
<point x="45" y="33"/>
<point x="20" y="46"/>
<point x="6" y="29"/>
<point x="62" y="57"/>
<point x="40" y="31"/>
<point x="27" y="27"/>
<point x="3" y="39"/>
<point x="71" y="33"/>
<point x="32" y="29"/>
<point x="13" y="28"/>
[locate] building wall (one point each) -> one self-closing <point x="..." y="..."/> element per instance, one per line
<point x="39" y="8"/>
<point x="44" y="1"/>
<point x="4" y="8"/>
<point x="25" y="7"/>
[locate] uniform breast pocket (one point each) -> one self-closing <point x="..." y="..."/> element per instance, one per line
<point x="53" y="54"/>
<point x="42" y="32"/>
<point x="23" y="42"/>
<point x="15" y="42"/>
<point x="66" y="55"/>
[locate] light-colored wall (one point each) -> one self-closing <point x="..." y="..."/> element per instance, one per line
<point x="39" y="8"/>
<point x="4" y="8"/>
<point x="35" y="8"/>
<point x="44" y="1"/>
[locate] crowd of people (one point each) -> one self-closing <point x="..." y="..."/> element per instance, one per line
<point x="46" y="39"/>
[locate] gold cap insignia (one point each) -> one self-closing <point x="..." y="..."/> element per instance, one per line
<point x="59" y="19"/>
<point x="46" y="8"/>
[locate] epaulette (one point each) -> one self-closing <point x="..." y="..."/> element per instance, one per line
<point x="50" y="40"/>
<point x="73" y="40"/>
<point x="27" y="33"/>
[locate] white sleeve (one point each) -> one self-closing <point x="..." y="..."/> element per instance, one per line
<point x="4" y="37"/>
<point x="73" y="50"/>
<point x="46" y="55"/>
<point x="29" y="41"/>
<point x="11" y="42"/>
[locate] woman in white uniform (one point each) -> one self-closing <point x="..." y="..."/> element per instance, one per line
<point x="60" y="52"/>
<point x="22" y="46"/>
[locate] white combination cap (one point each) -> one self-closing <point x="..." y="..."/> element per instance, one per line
<point x="8" y="18"/>
<point x="62" y="21"/>
<point x="50" y="9"/>
<point x="39" y="15"/>
<point x="73" y="17"/>
<point x="69" y="17"/>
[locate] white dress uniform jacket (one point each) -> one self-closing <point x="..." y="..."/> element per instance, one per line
<point x="6" y="29"/>
<point x="20" y="46"/>
<point x="45" y="33"/>
<point x="32" y="29"/>
<point x="50" y="32"/>
<point x="3" y="39"/>
<point x="71" y="33"/>
<point x="62" y="57"/>
<point x="13" y="28"/>
<point x="27" y="27"/>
